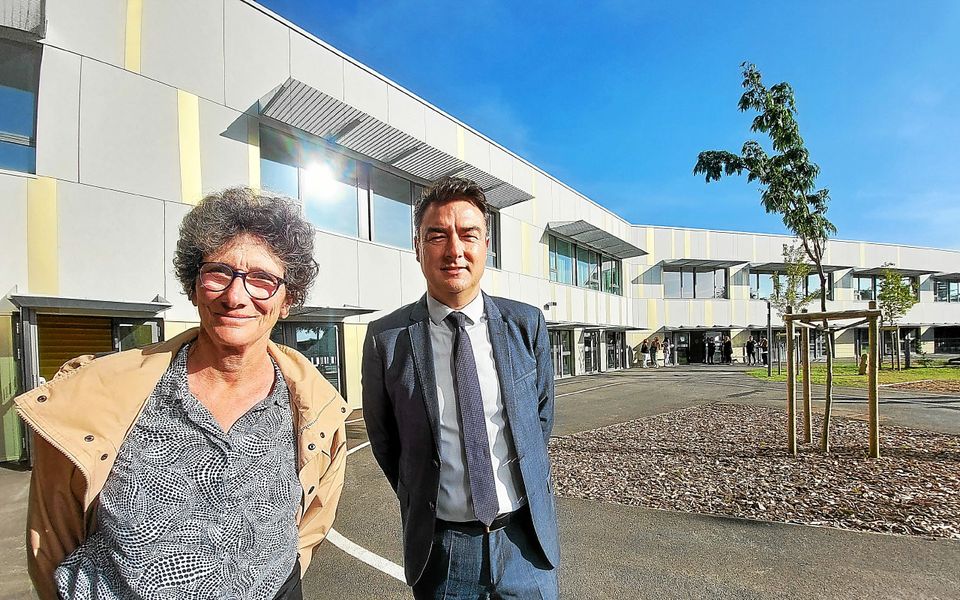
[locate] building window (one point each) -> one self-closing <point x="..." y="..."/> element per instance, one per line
<point x="761" y="285"/>
<point x="946" y="290"/>
<point x="561" y="261"/>
<point x="864" y="287"/>
<point x="593" y="270"/>
<point x="692" y="283"/>
<point x="812" y="285"/>
<point x="588" y="269"/>
<point x="391" y="208"/>
<point x="19" y="81"/>
<point x="493" y="231"/>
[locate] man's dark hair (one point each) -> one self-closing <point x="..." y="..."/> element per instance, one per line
<point x="447" y="189"/>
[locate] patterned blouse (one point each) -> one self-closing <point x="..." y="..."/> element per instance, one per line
<point x="190" y="511"/>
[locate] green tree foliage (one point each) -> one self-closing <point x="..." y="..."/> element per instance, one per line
<point x="791" y="290"/>
<point x="895" y="296"/>
<point x="787" y="177"/>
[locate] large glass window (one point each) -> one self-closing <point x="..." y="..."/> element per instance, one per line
<point x="610" y="276"/>
<point x="392" y="208"/>
<point x="695" y="283"/>
<point x="19" y="81"/>
<point x="813" y="284"/>
<point x="561" y="260"/>
<point x="864" y="287"/>
<point x="588" y="269"/>
<point x="328" y="189"/>
<point x="577" y="265"/>
<point x="946" y="290"/>
<point x="279" y="163"/>
<point x="761" y="285"/>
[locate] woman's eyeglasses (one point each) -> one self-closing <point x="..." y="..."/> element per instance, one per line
<point x="260" y="285"/>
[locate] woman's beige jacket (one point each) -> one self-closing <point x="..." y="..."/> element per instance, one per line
<point x="82" y="416"/>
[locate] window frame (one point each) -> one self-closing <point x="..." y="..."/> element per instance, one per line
<point x="14" y="139"/>
<point x="689" y="276"/>
<point x="576" y="250"/>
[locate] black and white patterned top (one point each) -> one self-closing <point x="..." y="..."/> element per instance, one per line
<point x="190" y="511"/>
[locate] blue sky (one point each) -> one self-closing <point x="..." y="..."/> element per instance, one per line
<point x="616" y="97"/>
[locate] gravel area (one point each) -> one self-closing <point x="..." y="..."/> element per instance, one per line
<point x="730" y="459"/>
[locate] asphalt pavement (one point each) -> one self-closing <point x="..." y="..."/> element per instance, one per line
<point x="615" y="551"/>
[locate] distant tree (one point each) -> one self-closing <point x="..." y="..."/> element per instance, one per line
<point x="896" y="295"/>
<point x="791" y="291"/>
<point x="787" y="179"/>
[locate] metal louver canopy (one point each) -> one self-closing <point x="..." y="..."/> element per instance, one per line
<point x="781" y="267"/>
<point x="881" y="270"/>
<point x="595" y="238"/>
<point x="703" y="263"/>
<point x="305" y="108"/>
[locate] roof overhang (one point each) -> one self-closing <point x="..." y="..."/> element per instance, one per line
<point x="595" y="238"/>
<point x="703" y="263"/>
<point x="88" y="306"/>
<point x="781" y="267"/>
<point x="897" y="270"/>
<point x="326" y="313"/>
<point x="703" y="327"/>
<point x="302" y="107"/>
<point x="946" y="275"/>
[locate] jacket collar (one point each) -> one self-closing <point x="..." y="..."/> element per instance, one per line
<point x="87" y="410"/>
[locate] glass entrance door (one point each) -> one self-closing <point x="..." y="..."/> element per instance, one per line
<point x="561" y="348"/>
<point x="616" y="350"/>
<point x="591" y="351"/>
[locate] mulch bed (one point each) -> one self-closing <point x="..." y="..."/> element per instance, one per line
<point x="730" y="459"/>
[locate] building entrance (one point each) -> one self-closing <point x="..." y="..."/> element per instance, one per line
<point x="319" y="342"/>
<point x="591" y="351"/>
<point x="561" y="348"/>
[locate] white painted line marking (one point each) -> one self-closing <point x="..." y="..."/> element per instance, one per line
<point x="362" y="554"/>
<point x="590" y="389"/>
<point x="353" y="421"/>
<point x="357" y="447"/>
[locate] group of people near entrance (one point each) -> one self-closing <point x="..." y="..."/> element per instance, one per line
<point x="650" y="348"/>
<point x="211" y="465"/>
<point x="757" y="351"/>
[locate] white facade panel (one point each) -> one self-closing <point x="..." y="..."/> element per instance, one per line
<point x="109" y="236"/>
<point x="378" y="276"/>
<point x="406" y="113"/>
<point x="511" y="242"/>
<point x="129" y="138"/>
<point x="102" y="35"/>
<point x="256" y="49"/>
<point x="412" y="283"/>
<point x="501" y="164"/>
<point x="337" y="283"/>
<point x="182" y="310"/>
<point x="441" y="132"/>
<point x="476" y="150"/>
<point x="182" y="45"/>
<point x="315" y="65"/>
<point x="365" y="91"/>
<point x="224" y="153"/>
<point x="13" y="233"/>
<point x="58" y="115"/>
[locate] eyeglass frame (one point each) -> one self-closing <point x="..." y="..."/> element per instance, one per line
<point x="243" y="277"/>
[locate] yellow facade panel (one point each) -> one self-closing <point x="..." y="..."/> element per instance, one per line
<point x="43" y="238"/>
<point x="131" y="50"/>
<point x="188" y="114"/>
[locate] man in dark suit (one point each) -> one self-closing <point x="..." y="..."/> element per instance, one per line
<point x="458" y="403"/>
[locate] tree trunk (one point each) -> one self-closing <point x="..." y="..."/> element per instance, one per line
<point x="828" y="343"/>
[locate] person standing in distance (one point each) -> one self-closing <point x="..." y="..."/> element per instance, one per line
<point x="458" y="402"/>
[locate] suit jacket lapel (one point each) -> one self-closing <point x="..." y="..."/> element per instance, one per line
<point x="419" y="331"/>
<point x="501" y="355"/>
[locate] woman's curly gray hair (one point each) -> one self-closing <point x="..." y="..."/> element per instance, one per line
<point x="222" y="216"/>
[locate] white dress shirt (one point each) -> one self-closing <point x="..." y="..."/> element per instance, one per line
<point x="454" y="500"/>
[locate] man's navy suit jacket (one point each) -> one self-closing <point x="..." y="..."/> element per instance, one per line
<point x="402" y="416"/>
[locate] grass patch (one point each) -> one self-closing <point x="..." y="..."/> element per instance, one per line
<point x="845" y="374"/>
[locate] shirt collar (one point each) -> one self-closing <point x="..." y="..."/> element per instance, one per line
<point x="440" y="311"/>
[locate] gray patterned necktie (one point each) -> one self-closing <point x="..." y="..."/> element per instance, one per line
<point x="473" y="423"/>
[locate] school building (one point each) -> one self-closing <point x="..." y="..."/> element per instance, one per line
<point x="116" y="116"/>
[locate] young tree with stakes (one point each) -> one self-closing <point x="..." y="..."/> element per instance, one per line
<point x="787" y="179"/>
<point x="895" y="296"/>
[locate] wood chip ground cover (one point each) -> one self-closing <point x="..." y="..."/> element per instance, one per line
<point x="730" y="459"/>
